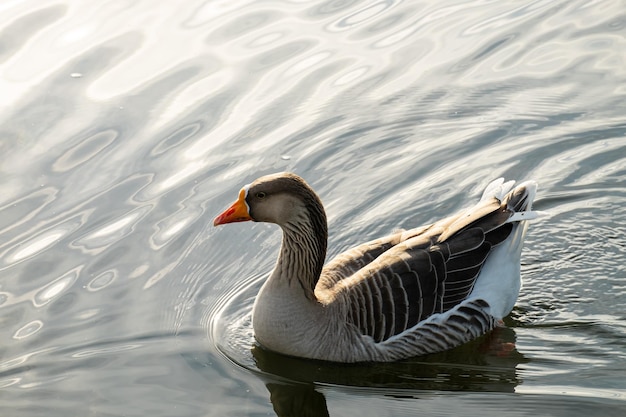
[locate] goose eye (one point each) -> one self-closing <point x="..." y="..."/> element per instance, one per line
<point x="260" y="195"/>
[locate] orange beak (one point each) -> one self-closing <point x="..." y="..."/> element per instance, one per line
<point x="238" y="212"/>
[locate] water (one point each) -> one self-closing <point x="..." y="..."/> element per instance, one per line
<point x="125" y="127"/>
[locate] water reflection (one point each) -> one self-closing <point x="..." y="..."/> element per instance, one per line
<point x="123" y="124"/>
<point x="488" y="364"/>
<point x="297" y="400"/>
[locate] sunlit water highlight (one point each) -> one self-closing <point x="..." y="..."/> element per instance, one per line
<point x="126" y="126"/>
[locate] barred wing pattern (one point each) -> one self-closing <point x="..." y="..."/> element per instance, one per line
<point x="420" y="274"/>
<point x="348" y="263"/>
<point x="465" y="322"/>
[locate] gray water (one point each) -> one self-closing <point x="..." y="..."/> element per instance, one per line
<point x="126" y="126"/>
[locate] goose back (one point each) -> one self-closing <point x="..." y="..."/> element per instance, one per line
<point x="393" y="284"/>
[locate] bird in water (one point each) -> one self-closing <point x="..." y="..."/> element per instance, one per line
<point x="410" y="293"/>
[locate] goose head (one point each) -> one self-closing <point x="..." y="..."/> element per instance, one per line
<point x="284" y="199"/>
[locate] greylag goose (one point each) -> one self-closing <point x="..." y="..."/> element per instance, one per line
<point x="411" y="293"/>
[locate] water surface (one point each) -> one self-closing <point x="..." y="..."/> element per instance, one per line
<point x="125" y="127"/>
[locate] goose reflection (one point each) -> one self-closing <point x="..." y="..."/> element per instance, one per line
<point x="488" y="364"/>
<point x="300" y="400"/>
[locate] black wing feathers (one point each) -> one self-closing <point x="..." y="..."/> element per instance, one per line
<point x="431" y="272"/>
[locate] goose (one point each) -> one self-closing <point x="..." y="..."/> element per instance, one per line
<point x="411" y="293"/>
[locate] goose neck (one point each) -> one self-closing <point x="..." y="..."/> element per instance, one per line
<point x="302" y="253"/>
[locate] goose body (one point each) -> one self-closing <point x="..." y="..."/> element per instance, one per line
<point x="413" y="292"/>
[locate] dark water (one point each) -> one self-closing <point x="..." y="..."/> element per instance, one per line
<point x="126" y="126"/>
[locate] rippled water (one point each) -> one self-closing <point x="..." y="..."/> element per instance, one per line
<point x="125" y="126"/>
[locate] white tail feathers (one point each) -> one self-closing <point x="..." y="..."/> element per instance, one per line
<point x="497" y="188"/>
